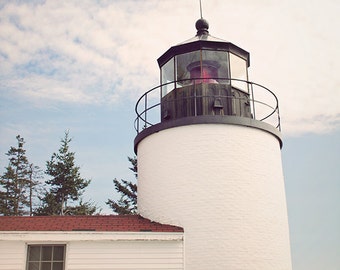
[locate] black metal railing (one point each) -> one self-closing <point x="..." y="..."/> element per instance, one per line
<point x="262" y="101"/>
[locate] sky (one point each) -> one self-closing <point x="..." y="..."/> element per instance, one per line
<point x="82" y="65"/>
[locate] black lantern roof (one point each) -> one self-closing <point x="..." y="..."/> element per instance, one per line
<point x="203" y="40"/>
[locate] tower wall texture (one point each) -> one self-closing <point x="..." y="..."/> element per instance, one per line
<point x="224" y="185"/>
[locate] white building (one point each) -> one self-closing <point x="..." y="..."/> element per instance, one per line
<point x="212" y="163"/>
<point x="209" y="161"/>
<point x="89" y="242"/>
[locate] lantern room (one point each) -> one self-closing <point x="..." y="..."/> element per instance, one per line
<point x="204" y="76"/>
<point x="204" y="80"/>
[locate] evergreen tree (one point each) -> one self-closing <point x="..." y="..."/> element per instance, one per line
<point x="84" y="208"/>
<point x="66" y="185"/>
<point x="127" y="203"/>
<point x="49" y="205"/>
<point x="8" y="192"/>
<point x="16" y="182"/>
<point x="35" y="187"/>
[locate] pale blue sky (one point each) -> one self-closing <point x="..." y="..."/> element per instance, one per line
<point x="82" y="66"/>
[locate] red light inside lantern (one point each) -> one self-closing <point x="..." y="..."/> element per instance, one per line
<point x="208" y="75"/>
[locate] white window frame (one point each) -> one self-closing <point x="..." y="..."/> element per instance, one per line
<point x="40" y="261"/>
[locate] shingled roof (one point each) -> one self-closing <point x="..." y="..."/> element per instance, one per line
<point x="109" y="223"/>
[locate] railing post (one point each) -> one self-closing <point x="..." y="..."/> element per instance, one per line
<point x="278" y="116"/>
<point x="145" y="110"/>
<point x="195" y="98"/>
<point x="253" y="99"/>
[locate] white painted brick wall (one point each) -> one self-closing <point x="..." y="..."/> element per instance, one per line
<point x="223" y="184"/>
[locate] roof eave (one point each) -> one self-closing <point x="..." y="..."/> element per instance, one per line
<point x="197" y="44"/>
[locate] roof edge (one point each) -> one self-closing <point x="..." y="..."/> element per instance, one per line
<point x="62" y="236"/>
<point x="201" y="44"/>
<point x="88" y="224"/>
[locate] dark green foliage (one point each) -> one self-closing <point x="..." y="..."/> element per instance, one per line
<point x="65" y="186"/>
<point x="52" y="207"/>
<point x="84" y="208"/>
<point x="49" y="206"/>
<point x="8" y="192"/>
<point x="127" y="204"/>
<point x="18" y="182"/>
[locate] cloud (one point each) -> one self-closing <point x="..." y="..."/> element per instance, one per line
<point x="103" y="52"/>
<point x="60" y="44"/>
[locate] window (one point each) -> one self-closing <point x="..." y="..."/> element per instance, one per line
<point x="45" y="257"/>
<point x="208" y="65"/>
<point x="238" y="68"/>
<point x="168" y="73"/>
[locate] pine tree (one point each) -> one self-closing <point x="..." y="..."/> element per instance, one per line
<point x="127" y="204"/>
<point x="8" y="192"/>
<point x="16" y="182"/>
<point x="84" y="208"/>
<point x="66" y="185"/>
<point x="35" y="187"/>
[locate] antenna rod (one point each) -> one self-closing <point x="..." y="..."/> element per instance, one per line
<point x="201" y="9"/>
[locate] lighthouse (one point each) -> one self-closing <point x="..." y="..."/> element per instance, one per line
<point x="208" y="145"/>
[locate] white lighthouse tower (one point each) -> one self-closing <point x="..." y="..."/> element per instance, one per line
<point x="209" y="160"/>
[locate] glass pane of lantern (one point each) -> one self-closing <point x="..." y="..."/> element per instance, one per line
<point x="168" y="75"/>
<point x="215" y="66"/>
<point x="238" y="70"/>
<point x="184" y="63"/>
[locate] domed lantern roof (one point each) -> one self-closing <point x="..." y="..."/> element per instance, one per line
<point x="203" y="57"/>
